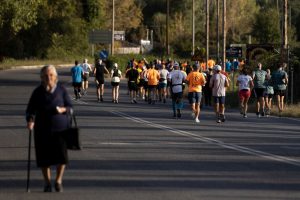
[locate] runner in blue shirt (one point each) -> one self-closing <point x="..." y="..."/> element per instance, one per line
<point x="280" y="81"/>
<point x="77" y="74"/>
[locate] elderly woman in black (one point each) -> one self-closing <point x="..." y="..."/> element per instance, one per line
<point x="47" y="114"/>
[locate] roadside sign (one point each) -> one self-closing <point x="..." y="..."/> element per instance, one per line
<point x="119" y="35"/>
<point x="100" y="36"/>
<point x="103" y="54"/>
<point x="104" y="37"/>
<point x="234" y="52"/>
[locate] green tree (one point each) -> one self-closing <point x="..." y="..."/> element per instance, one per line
<point x="266" y="27"/>
<point x="15" y="16"/>
<point x="18" y="15"/>
<point x="240" y="17"/>
<point x="93" y="12"/>
<point x="128" y="15"/>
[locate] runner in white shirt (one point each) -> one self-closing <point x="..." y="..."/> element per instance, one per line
<point x="176" y="78"/>
<point x="116" y="76"/>
<point x="245" y="83"/>
<point x="86" y="68"/>
<point x="218" y="83"/>
<point x="162" y="86"/>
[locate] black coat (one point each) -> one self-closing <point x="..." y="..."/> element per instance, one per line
<point x="50" y="147"/>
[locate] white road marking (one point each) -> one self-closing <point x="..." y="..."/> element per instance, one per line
<point x="207" y="140"/>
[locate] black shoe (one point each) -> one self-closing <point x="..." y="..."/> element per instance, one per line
<point x="222" y="118"/>
<point x="218" y="119"/>
<point x="178" y="114"/>
<point x="101" y="99"/>
<point x="58" y="187"/>
<point x="48" y="188"/>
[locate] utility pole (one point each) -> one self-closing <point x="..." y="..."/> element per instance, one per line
<point x="113" y="28"/>
<point x="218" y="31"/>
<point x="167" y="28"/>
<point x="284" y="43"/>
<point x="193" y="24"/>
<point x="285" y="24"/>
<point x="285" y="47"/>
<point x="224" y="34"/>
<point x="207" y="31"/>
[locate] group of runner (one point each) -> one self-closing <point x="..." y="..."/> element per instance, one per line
<point x="159" y="80"/>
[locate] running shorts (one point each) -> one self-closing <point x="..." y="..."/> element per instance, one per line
<point x="219" y="100"/>
<point x="244" y="94"/>
<point x="195" y="97"/>
<point x="280" y="92"/>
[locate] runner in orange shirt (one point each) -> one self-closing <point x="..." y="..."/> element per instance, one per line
<point x="211" y="63"/>
<point x="195" y="81"/>
<point x="153" y="80"/>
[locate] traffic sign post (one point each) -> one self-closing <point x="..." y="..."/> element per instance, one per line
<point x="103" y="54"/>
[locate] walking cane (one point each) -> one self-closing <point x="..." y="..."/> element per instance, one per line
<point x="28" y="161"/>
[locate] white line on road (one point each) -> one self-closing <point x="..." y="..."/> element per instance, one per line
<point x="207" y="140"/>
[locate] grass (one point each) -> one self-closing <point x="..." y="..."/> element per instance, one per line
<point x="9" y="63"/>
<point x="232" y="101"/>
<point x="289" y="111"/>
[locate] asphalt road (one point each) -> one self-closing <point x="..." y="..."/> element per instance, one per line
<point x="138" y="151"/>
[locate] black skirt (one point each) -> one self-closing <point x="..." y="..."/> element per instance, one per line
<point x="50" y="149"/>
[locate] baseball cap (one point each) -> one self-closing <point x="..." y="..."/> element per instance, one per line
<point x="217" y="68"/>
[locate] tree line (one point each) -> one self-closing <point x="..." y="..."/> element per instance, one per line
<point x="59" y="28"/>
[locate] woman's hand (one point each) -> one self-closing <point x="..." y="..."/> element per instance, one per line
<point x="30" y="125"/>
<point x="61" y="110"/>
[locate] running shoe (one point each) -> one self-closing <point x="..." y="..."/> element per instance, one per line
<point x="258" y="115"/>
<point x="245" y="116"/>
<point x="269" y="112"/>
<point x="197" y="120"/>
<point x="222" y="117"/>
<point x="193" y="115"/>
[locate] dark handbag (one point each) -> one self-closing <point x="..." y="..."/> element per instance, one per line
<point x="72" y="135"/>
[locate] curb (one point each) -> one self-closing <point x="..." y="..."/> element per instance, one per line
<point x="37" y="66"/>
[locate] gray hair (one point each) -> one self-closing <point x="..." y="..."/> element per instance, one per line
<point x="46" y="68"/>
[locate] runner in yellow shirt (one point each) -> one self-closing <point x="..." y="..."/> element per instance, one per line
<point x="195" y="81"/>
